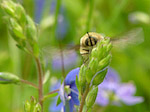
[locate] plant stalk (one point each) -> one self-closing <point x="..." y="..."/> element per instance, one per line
<point x="29" y="83"/>
<point x="40" y="79"/>
<point x="84" y="97"/>
<point x="53" y="92"/>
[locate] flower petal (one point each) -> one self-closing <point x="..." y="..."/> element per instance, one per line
<point x="125" y="93"/>
<point x="112" y="76"/>
<point x="71" y="77"/>
<point x="70" y="58"/>
<point x="55" y="108"/>
<point x="132" y="100"/>
<point x="69" y="107"/>
<point x="126" y="89"/>
<point x="102" y="98"/>
<point x="62" y="93"/>
<point x="74" y="94"/>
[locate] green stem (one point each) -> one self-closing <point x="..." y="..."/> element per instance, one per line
<point x="29" y="83"/>
<point x="56" y="16"/>
<point x="89" y="18"/>
<point x="40" y="78"/>
<point x="53" y="92"/>
<point x="49" y="94"/>
<point x="84" y="97"/>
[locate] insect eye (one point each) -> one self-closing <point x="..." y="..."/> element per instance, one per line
<point x="87" y="42"/>
<point x="91" y="41"/>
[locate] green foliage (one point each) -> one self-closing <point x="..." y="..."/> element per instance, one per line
<point x="21" y="27"/>
<point x="110" y="17"/>
<point x="32" y="106"/>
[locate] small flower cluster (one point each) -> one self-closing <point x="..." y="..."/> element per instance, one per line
<point x="32" y="106"/>
<point x="21" y="26"/>
<point x="93" y="73"/>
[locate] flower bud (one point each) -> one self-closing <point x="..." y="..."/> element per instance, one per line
<point x="82" y="75"/>
<point x="91" y="97"/>
<point x="93" y="65"/>
<point x="89" y="75"/>
<point x="37" y="108"/>
<point x="99" y="77"/>
<point x="20" y="14"/>
<point x="94" y="53"/>
<point x="17" y="29"/>
<point x="31" y="31"/>
<point x="100" y="49"/>
<point x="27" y="106"/>
<point x="33" y="103"/>
<point x="8" y="78"/>
<point x="104" y="62"/>
<point x="9" y="7"/>
<point x="109" y="46"/>
<point x="106" y="40"/>
<point x="104" y="52"/>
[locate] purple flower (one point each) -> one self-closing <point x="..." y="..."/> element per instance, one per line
<point x="112" y="91"/>
<point x="63" y="24"/>
<point x="69" y="60"/>
<point x="68" y="99"/>
<point x="62" y="27"/>
<point x="39" y="5"/>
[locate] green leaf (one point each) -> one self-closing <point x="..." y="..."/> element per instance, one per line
<point x="77" y="82"/>
<point x="46" y="76"/>
<point x="50" y="96"/>
<point x="8" y="78"/>
<point x="58" y="101"/>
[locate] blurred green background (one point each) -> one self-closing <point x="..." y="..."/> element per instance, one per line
<point x="111" y="17"/>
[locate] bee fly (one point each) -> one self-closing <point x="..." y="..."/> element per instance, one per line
<point x="87" y="43"/>
<point x="90" y="39"/>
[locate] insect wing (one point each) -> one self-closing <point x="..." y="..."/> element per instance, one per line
<point x="132" y="37"/>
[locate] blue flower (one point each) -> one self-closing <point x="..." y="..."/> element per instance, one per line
<point x="112" y="91"/>
<point x="63" y="24"/>
<point x="69" y="100"/>
<point x="39" y="5"/>
<point x="69" y="59"/>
